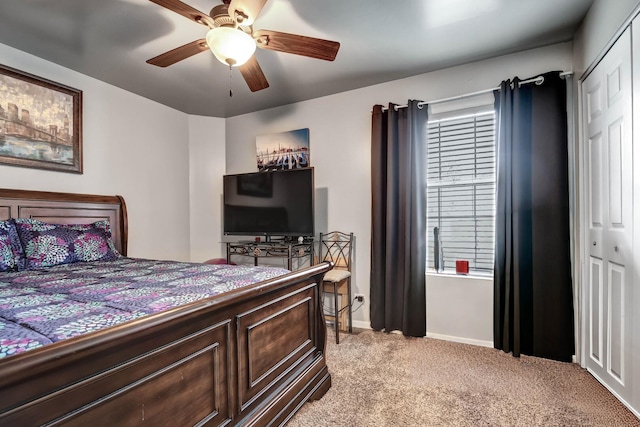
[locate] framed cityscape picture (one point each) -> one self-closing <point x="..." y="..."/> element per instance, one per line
<point x="40" y="123"/>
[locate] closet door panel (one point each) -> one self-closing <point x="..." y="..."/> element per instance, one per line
<point x="618" y="119"/>
<point x="607" y="101"/>
<point x="596" y="311"/>
<point x="596" y="183"/>
<point x="616" y="344"/>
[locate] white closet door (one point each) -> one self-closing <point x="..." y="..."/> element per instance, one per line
<point x="635" y="274"/>
<point x="608" y="184"/>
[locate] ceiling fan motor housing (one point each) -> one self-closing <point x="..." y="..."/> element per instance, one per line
<point x="220" y="16"/>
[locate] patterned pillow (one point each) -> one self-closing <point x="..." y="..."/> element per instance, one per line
<point x="46" y="245"/>
<point x="10" y="248"/>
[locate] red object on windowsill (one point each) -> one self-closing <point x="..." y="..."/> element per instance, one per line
<point x="462" y="267"/>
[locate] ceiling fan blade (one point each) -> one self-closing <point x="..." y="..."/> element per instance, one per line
<point x="296" y="44"/>
<point x="187" y="11"/>
<point x="244" y="12"/>
<point x="253" y="75"/>
<point x="179" y="53"/>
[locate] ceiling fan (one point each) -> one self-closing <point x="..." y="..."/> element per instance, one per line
<point x="233" y="41"/>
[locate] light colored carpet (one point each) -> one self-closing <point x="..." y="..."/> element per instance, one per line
<point x="381" y="379"/>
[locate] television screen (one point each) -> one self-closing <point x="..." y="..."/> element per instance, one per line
<point x="269" y="203"/>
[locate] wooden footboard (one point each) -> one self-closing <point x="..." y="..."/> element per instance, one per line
<point x="249" y="357"/>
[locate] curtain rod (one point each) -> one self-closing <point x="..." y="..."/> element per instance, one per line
<point x="537" y="80"/>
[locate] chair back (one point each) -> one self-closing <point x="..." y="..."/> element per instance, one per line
<point x="336" y="247"/>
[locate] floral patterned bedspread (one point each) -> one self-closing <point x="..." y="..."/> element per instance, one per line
<point x="46" y="305"/>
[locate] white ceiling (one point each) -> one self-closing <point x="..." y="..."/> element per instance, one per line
<point x="380" y="41"/>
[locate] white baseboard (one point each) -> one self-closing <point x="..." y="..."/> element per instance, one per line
<point x="461" y="340"/>
<point x="361" y="324"/>
<point x="366" y="325"/>
<point x="624" y="402"/>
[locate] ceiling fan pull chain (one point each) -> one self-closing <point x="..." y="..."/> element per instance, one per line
<point x="230" y="87"/>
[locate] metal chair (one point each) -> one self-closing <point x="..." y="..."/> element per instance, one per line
<point x="337" y="247"/>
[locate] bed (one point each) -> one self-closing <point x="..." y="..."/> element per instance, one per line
<point x="250" y="356"/>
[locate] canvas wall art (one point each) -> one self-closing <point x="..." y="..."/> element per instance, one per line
<point x="284" y="150"/>
<point x="40" y="123"/>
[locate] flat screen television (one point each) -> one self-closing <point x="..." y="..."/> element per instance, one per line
<point x="278" y="203"/>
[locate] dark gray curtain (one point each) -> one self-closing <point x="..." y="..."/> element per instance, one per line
<point x="398" y="223"/>
<point x="533" y="301"/>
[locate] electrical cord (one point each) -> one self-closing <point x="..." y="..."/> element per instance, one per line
<point x="353" y="310"/>
<point x="329" y="309"/>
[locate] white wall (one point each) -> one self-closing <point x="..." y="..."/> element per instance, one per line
<point x="340" y="132"/>
<point x="206" y="167"/>
<point x="133" y="147"/>
<point x="460" y="308"/>
<point x="169" y="166"/>
<point x="604" y="19"/>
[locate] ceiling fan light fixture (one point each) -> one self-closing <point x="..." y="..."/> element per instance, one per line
<point x="231" y="46"/>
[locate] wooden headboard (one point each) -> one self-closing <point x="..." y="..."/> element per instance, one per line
<point x="67" y="208"/>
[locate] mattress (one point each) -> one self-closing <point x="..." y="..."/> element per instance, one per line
<point x="43" y="306"/>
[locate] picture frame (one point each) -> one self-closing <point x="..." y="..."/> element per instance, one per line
<point x="283" y="150"/>
<point x="40" y="123"/>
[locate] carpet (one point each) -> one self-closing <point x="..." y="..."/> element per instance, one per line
<point x="381" y="379"/>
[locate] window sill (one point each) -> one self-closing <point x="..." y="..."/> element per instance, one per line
<point x="451" y="274"/>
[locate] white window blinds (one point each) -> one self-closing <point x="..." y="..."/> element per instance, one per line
<point x="461" y="190"/>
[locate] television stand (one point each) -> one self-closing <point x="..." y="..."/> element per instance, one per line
<point x="290" y="250"/>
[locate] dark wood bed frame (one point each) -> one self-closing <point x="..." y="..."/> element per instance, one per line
<point x="252" y="356"/>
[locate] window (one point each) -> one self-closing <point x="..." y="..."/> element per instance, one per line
<point x="461" y="190"/>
